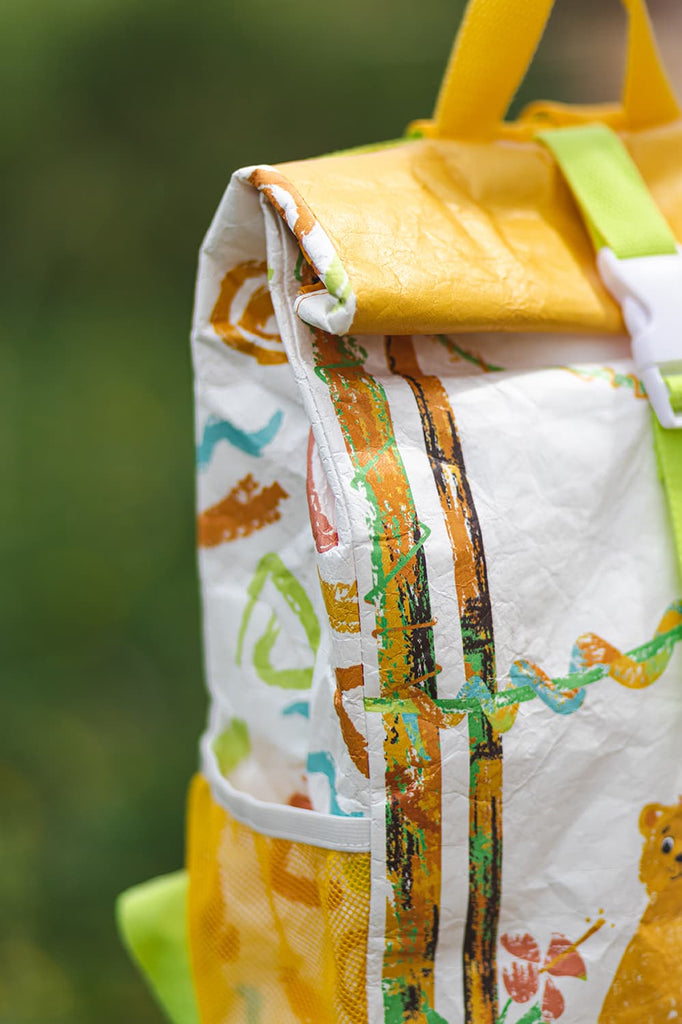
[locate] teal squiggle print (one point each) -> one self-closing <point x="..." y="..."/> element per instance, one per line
<point x="301" y="707"/>
<point x="320" y="763"/>
<point x="250" y="442"/>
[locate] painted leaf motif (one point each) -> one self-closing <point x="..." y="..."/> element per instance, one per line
<point x="521" y="981"/>
<point x="531" y="1016"/>
<point x="563" y="964"/>
<point x="291" y="612"/>
<point x="522" y="946"/>
<point x="553" y="1004"/>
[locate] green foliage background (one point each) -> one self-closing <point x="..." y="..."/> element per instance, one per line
<point x="121" y="121"/>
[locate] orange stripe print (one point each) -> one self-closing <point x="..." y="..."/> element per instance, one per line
<point x="445" y="455"/>
<point x="247" y="508"/>
<point x="412" y="757"/>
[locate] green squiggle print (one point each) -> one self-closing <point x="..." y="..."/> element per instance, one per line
<point x="653" y="656"/>
<point x="271" y="567"/>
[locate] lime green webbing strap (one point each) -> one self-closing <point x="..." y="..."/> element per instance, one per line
<point x="620" y="213"/>
<point x="614" y="200"/>
<point x="674" y="382"/>
<point x="152" y="920"/>
<point x="669" y="449"/>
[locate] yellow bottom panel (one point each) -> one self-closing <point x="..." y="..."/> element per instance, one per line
<point x="278" y="930"/>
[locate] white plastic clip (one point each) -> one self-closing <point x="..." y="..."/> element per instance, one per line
<point x="649" y="290"/>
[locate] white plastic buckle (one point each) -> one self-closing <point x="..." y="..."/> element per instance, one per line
<point x="649" y="290"/>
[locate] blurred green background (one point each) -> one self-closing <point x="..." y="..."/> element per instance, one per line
<point x="121" y="121"/>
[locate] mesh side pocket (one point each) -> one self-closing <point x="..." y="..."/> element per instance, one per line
<point x="278" y="930"/>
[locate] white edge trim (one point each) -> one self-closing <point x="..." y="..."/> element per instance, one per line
<point x="334" y="309"/>
<point x="349" y="835"/>
<point x="320" y="309"/>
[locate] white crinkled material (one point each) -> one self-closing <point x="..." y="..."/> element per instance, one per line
<point x="563" y="484"/>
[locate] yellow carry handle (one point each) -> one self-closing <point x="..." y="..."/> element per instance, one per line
<point x="494" y="48"/>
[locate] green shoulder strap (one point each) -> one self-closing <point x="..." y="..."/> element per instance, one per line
<point x="620" y="213"/>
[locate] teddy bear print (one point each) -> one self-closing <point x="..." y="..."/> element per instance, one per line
<point x="647" y="988"/>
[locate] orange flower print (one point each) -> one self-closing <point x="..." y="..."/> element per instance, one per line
<point x="530" y="976"/>
<point x="522" y="978"/>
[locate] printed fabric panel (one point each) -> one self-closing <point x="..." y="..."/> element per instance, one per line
<point x="440" y="602"/>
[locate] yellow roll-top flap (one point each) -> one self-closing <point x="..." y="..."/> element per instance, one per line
<point x="439" y="236"/>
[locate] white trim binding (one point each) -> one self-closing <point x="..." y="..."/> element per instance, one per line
<point x="349" y="835"/>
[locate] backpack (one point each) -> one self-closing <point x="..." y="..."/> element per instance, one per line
<point x="440" y="491"/>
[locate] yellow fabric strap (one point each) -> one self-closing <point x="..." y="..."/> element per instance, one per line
<point x="494" y="48"/>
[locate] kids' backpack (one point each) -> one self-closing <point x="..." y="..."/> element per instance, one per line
<point x="439" y="448"/>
